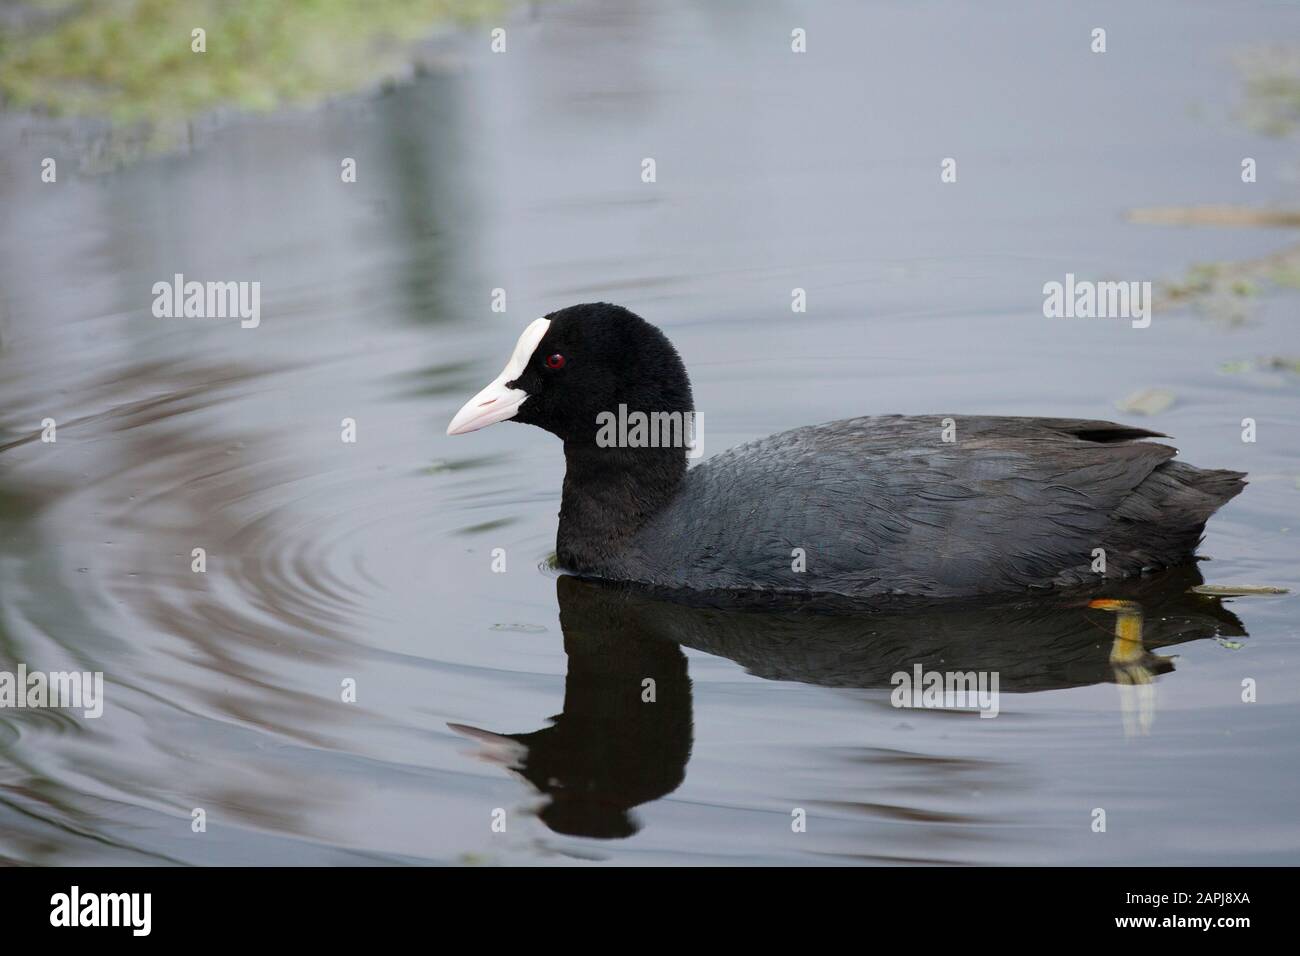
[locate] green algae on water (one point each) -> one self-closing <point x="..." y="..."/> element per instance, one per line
<point x="131" y="60"/>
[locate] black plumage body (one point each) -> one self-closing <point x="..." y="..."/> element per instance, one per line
<point x="864" y="507"/>
<point x="883" y="506"/>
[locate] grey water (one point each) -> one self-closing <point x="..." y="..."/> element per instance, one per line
<point x="483" y="696"/>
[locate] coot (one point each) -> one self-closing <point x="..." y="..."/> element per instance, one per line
<point x="921" y="506"/>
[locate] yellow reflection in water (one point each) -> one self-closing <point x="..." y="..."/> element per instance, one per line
<point x="1135" y="668"/>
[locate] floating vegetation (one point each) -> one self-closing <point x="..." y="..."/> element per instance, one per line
<point x="136" y="60"/>
<point x="1263" y="367"/>
<point x="1238" y="590"/>
<point x="1213" y="216"/>
<point x="120" y="80"/>
<point x="519" y="628"/>
<point x="1225" y="290"/>
<point x="1147" y="401"/>
<point x="1271" y="102"/>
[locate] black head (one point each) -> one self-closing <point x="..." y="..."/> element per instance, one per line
<point x="576" y="364"/>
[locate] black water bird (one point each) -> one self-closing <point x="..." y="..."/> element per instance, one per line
<point x="872" y="508"/>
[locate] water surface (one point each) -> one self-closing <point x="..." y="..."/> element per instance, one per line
<point x="372" y="561"/>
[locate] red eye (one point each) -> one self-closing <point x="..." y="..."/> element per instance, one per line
<point x="555" y="361"/>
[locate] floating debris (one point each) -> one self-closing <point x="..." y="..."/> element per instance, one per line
<point x="1148" y="401"/>
<point x="1237" y="590"/>
<point x="1236" y="367"/>
<point x="1213" y="216"/>
<point x="1280" y="362"/>
<point x="1263" y="363"/>
<point x="519" y="628"/>
<point x="1230" y="645"/>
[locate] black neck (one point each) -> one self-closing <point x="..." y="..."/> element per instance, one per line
<point x="609" y="493"/>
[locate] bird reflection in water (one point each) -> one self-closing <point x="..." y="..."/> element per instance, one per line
<point x="1135" y="667"/>
<point x="624" y="736"/>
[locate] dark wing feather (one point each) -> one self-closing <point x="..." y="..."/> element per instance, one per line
<point x="885" y="506"/>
